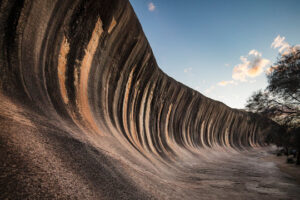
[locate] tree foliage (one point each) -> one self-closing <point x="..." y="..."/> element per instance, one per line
<point x="280" y="101"/>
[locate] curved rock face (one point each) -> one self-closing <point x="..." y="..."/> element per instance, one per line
<point x="87" y="113"/>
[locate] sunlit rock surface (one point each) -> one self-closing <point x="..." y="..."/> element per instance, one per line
<point x="85" y="113"/>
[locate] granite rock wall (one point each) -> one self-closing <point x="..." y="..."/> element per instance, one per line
<point x="86" y="66"/>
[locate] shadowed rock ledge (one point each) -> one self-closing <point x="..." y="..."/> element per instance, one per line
<point x="87" y="114"/>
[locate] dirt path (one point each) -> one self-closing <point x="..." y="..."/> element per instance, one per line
<point x="290" y="169"/>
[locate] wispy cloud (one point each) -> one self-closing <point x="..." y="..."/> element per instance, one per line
<point x="252" y="65"/>
<point x="151" y="7"/>
<point x="279" y="42"/>
<point x="283" y="46"/>
<point x="187" y="70"/>
<point x="255" y="53"/>
<point x="227" y="65"/>
<point x="224" y="83"/>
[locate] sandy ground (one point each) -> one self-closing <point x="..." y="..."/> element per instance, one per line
<point x="290" y="169"/>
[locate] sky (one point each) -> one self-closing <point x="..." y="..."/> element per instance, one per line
<point x="221" y="48"/>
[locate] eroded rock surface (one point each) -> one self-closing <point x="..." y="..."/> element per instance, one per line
<point x="85" y="113"/>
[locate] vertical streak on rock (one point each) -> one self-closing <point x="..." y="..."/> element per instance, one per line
<point x="168" y="136"/>
<point x="202" y="133"/>
<point x="61" y="68"/>
<point x="82" y="89"/>
<point x="147" y="121"/>
<point x="125" y="106"/>
<point x="227" y="138"/>
<point x="112" y="25"/>
<point x="142" y="117"/>
<point x="132" y="119"/>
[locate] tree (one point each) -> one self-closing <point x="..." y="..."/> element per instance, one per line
<point x="280" y="101"/>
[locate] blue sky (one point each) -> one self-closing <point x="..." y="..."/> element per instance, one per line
<point x="221" y="48"/>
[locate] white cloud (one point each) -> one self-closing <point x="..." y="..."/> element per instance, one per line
<point x="151" y="7"/>
<point x="284" y="47"/>
<point x="224" y="83"/>
<point x="186" y="70"/>
<point x="279" y="42"/>
<point x="255" y="53"/>
<point x="227" y="65"/>
<point x="252" y="65"/>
